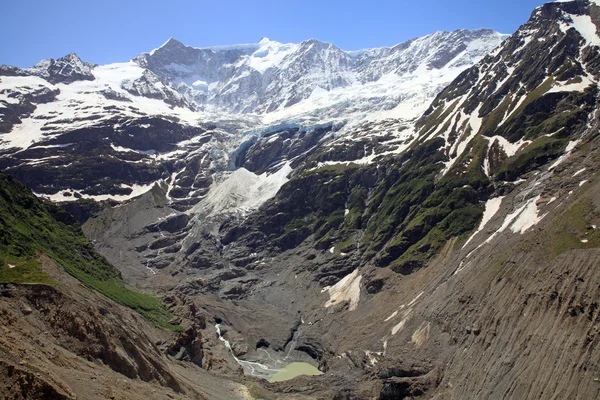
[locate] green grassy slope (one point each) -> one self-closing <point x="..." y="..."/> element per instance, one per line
<point x="29" y="227"/>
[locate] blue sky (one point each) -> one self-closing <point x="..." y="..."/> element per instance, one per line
<point x="104" y="31"/>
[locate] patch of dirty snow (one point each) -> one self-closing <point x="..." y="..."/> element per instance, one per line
<point x="406" y="314"/>
<point x="348" y="289"/>
<point x="412" y="302"/>
<point x="391" y="316"/>
<point x="371" y="356"/>
<point x="421" y="335"/>
<point x="462" y="266"/>
<point x="397" y="328"/>
<point x="241" y="191"/>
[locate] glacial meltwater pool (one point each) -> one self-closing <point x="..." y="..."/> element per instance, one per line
<point x="271" y="372"/>
<point x="293" y="370"/>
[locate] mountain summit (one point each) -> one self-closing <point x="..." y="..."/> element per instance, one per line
<point x="67" y="69"/>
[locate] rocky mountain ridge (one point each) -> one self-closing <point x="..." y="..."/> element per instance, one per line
<point x="271" y="76"/>
<point x="67" y="69"/>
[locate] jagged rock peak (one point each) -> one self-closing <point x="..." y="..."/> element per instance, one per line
<point x="66" y="69"/>
<point x="171" y="44"/>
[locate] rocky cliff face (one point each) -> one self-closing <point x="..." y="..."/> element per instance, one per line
<point x="450" y="255"/>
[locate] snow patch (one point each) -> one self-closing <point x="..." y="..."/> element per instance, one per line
<point x="406" y="314"/>
<point x="397" y="328"/>
<point x="391" y="316"/>
<point x="568" y="151"/>
<point x="421" y="335"/>
<point x="241" y="191"/>
<point x="371" y="356"/>
<point x="527" y="217"/>
<point x="491" y="208"/>
<point x="581" y="171"/>
<point x="127" y="150"/>
<point x="520" y="220"/>
<point x="55" y="146"/>
<point x="348" y="289"/>
<point x="463" y="265"/>
<point x="136" y="190"/>
<point x="463" y="141"/>
<point x="509" y="148"/>
<point x="585" y="26"/>
<point x="572" y="87"/>
<point x="413" y="301"/>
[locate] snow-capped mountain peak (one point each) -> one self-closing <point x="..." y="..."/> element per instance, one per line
<point x="264" y="40"/>
<point x="171" y="43"/>
<point x="270" y="76"/>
